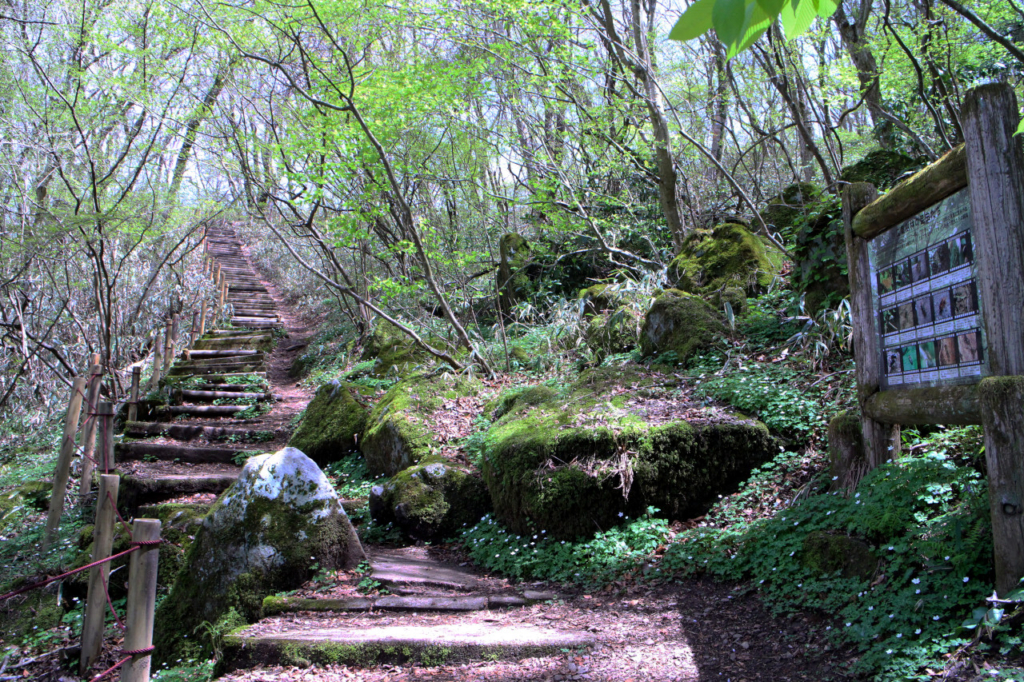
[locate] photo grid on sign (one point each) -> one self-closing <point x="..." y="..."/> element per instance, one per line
<point x="927" y="298"/>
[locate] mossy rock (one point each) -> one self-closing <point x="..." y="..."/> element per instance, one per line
<point x="34" y="495"/>
<point x="600" y="298"/>
<point x="516" y="397"/>
<point x="679" y="323"/>
<point x="393" y="351"/>
<point x="579" y="463"/>
<point x="790" y="206"/>
<point x="32" y="613"/>
<point x="613" y="332"/>
<point x="826" y="554"/>
<point x="399" y="432"/>
<point x="728" y="256"/>
<point x="431" y="501"/>
<point x="267" y="533"/>
<point x="734" y="296"/>
<point x="333" y="422"/>
<point x="882" y="168"/>
<point x="514" y="279"/>
<point x="178" y="525"/>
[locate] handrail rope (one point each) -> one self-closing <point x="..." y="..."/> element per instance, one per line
<point x="111" y="669"/>
<point x="110" y="603"/>
<point x="119" y="517"/>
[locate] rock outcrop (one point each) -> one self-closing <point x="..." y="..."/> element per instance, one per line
<point x="681" y="324"/>
<point x="333" y="422"/>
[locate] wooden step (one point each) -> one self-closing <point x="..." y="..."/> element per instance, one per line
<point x="187" y="432"/>
<point x="209" y="396"/>
<point x="199" y="410"/>
<point x="222" y="353"/>
<point x="136" y="491"/>
<point x="275" y="605"/>
<point x="169" y="452"/>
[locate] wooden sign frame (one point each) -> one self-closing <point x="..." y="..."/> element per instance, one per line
<point x="990" y="164"/>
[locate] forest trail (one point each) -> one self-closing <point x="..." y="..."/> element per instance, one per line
<point x="218" y="394"/>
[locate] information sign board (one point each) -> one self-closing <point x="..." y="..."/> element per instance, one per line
<point x="924" y="285"/>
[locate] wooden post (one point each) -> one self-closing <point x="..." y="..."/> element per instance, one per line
<point x="154" y="379"/>
<point x="133" y="406"/>
<point x="67" y="451"/>
<point x="89" y="429"/>
<point x="223" y="295"/>
<point x="141" y="600"/>
<point x="168" y="345"/>
<point x="995" y="181"/>
<point x="192" y="334"/>
<point x="880" y="440"/>
<point x="202" y="318"/>
<point x="105" y="456"/>
<point x="96" y="599"/>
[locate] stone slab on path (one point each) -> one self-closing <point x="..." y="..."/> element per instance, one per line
<point x="413" y="566"/>
<point x="308" y="644"/>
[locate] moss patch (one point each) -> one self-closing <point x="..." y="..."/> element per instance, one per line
<point x="333" y="422"/>
<point x="681" y="324"/>
<point x="393" y="351"/>
<point x="399" y="432"/>
<point x="613" y="332"/>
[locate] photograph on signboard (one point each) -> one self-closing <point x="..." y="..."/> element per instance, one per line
<point x="947" y="351"/>
<point x="903" y="275"/>
<point x="886" y="283"/>
<point x="964" y="302"/>
<point x="940" y="259"/>
<point x="942" y="305"/>
<point x="926" y="355"/>
<point x="893" y="363"/>
<point x="890" y="321"/>
<point x="968" y="347"/>
<point x="923" y="310"/>
<point x="966" y="251"/>
<point x="919" y="266"/>
<point x="909" y="358"/>
<point x="907" y="315"/>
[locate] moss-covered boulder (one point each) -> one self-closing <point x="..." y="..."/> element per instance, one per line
<point x="517" y="397"/>
<point x="790" y="206"/>
<point x="600" y="298"/>
<point x="31" y="494"/>
<point x="827" y="553"/>
<point x="333" y="422"/>
<point x="32" y="613"/>
<point x="393" y="351"/>
<point x="681" y="324"/>
<point x="584" y="460"/>
<point x="267" y="533"/>
<point x="431" y="501"/>
<point x="728" y="256"/>
<point x="399" y="432"/>
<point x="613" y="332"/>
<point x="513" y="278"/>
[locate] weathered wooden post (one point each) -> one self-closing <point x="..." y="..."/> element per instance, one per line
<point x="138" y="638"/>
<point x="154" y="379"/>
<point x="202" y="318"/>
<point x="223" y="295"/>
<point x="63" y="471"/>
<point x="193" y="331"/>
<point x="133" y="406"/>
<point x="995" y="181"/>
<point x="169" y="345"/>
<point x="96" y="600"/>
<point x="105" y="415"/>
<point x="89" y="429"/>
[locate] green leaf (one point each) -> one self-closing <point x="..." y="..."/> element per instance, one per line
<point x="772" y="7"/>
<point x="827" y="8"/>
<point x="797" y="16"/>
<point x="695" y="22"/>
<point x="755" y="24"/>
<point x="728" y="17"/>
<point x="1020" y="128"/>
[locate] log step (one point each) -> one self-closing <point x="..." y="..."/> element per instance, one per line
<point x="201" y="410"/>
<point x="186" y="432"/>
<point x="203" y="396"/>
<point x="275" y="605"/>
<point x="136" y="491"/>
<point x="124" y="452"/>
<point x="222" y="353"/>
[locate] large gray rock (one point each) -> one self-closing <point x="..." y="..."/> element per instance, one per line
<point x="269" y="532"/>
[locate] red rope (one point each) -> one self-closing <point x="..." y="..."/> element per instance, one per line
<point x="110" y="603"/>
<point x="44" y="583"/>
<point x="111" y="669"/>
<point x="127" y="528"/>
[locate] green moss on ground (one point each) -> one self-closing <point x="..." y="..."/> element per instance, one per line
<point x="613" y="332"/>
<point x="598" y="299"/>
<point x="399" y="432"/>
<point x="393" y="352"/>
<point x="333" y="422"/>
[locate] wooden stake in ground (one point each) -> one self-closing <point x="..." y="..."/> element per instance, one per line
<point x="105" y="456"/>
<point x="89" y="430"/>
<point x="154" y="379"/>
<point x="133" y="406"/>
<point x="96" y="599"/>
<point x="67" y="451"/>
<point x="138" y="639"/>
<point x="168" y="345"/>
<point x="202" y="318"/>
